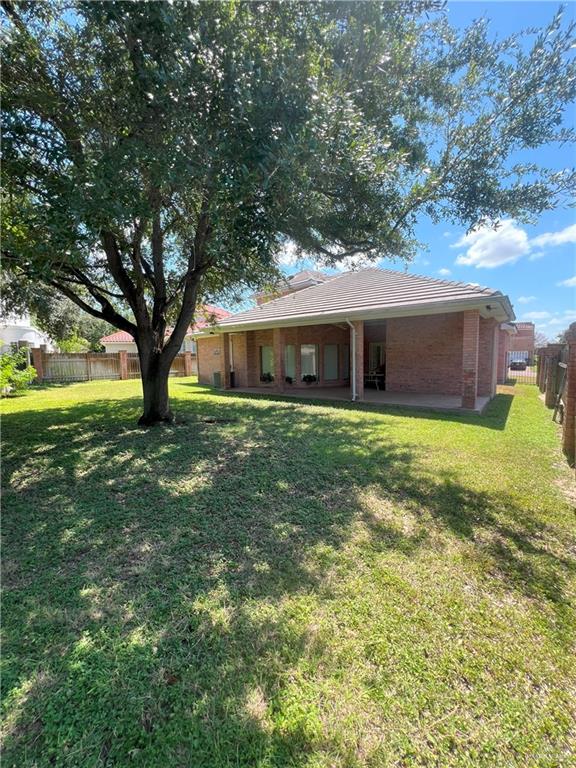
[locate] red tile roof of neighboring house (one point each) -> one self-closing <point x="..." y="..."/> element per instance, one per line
<point x="206" y="315"/>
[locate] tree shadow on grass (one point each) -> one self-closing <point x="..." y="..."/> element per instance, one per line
<point x="161" y="585"/>
<point x="495" y="415"/>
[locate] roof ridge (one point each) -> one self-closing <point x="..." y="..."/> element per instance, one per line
<point x="301" y="291"/>
<point x="431" y="279"/>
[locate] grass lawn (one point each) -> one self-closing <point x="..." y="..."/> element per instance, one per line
<point x="284" y="584"/>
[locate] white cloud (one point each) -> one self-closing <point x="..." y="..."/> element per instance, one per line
<point x="566" y="235"/>
<point x="570" y="283"/>
<point x="447" y="234"/>
<point x="536" y="315"/>
<point x="444" y="272"/>
<point x="526" y="299"/>
<point x="556" y="322"/>
<point x="487" y="247"/>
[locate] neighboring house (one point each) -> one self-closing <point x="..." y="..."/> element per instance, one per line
<point x="374" y="334"/>
<point x="523" y="343"/>
<point x="506" y="333"/>
<point x="305" y="279"/>
<point x="18" y="331"/>
<point x="206" y="316"/>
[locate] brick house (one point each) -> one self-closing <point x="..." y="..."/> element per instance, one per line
<point x="206" y="316"/>
<point x="376" y="335"/>
<point x="524" y="341"/>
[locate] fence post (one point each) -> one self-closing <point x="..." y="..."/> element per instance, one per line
<point x="552" y="360"/>
<point x="540" y="366"/>
<point x="569" y="420"/>
<point x="188" y="364"/>
<point x="123" y="357"/>
<point x="550" y="396"/>
<point x="38" y="363"/>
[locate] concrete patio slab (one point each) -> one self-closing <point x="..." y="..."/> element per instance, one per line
<point x="375" y="397"/>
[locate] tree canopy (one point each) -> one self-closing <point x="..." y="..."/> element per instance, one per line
<point x="160" y="153"/>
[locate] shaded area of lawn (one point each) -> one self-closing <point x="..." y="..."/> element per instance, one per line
<point x="272" y="584"/>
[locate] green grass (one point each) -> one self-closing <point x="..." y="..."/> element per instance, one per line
<point x="284" y="584"/>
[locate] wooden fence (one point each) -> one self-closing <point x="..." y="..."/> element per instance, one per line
<point x="90" y="366"/>
<point x="556" y="379"/>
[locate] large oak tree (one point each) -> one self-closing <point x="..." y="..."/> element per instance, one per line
<point x="159" y="153"/>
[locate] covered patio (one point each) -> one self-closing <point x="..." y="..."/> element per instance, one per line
<point x="377" y="397"/>
<point x="373" y="336"/>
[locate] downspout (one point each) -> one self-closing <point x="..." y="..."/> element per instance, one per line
<point x="353" y="361"/>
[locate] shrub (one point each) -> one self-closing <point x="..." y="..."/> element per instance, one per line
<point x="15" y="372"/>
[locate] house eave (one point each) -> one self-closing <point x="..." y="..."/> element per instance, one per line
<point x="496" y="306"/>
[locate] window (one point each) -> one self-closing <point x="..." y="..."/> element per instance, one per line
<point x="309" y="360"/>
<point x="345" y="361"/>
<point x="376" y="355"/>
<point x="290" y="361"/>
<point x="331" y="362"/>
<point x="266" y="361"/>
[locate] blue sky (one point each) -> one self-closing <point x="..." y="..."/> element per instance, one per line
<point x="534" y="265"/>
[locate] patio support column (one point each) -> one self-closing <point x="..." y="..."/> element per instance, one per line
<point x="298" y="361"/>
<point x="279" y="366"/>
<point x="358" y="362"/>
<point x="494" y="377"/>
<point x="252" y="362"/>
<point x="470" y="335"/>
<point x="225" y="360"/>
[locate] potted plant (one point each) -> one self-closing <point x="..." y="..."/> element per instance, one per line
<point x="267" y="378"/>
<point x="309" y="378"/>
<point x="289" y="380"/>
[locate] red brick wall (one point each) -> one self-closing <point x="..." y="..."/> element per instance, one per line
<point x="210" y="358"/>
<point x="424" y="354"/>
<point x="523" y="340"/>
<point x="239" y="359"/>
<point x="247" y="352"/>
<point x="503" y="348"/>
<point x="486" y="350"/>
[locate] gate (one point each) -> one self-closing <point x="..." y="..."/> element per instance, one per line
<point x="521" y="368"/>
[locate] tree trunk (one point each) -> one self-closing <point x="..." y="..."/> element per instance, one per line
<point x="154" y="371"/>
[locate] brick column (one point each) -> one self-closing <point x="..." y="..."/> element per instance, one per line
<point x="298" y="359"/>
<point x="470" y="331"/>
<point x="503" y="348"/>
<point x="123" y="358"/>
<point x="188" y="370"/>
<point x="38" y="363"/>
<point x="494" y="378"/>
<point x="279" y="364"/>
<point x="358" y="363"/>
<point x="252" y="364"/>
<point x="569" y="422"/>
<point x="225" y="360"/>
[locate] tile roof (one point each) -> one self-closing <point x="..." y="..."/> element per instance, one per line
<point x="366" y="291"/>
<point x="205" y="317"/>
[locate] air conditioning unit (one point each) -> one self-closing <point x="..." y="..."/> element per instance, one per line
<point x="217" y="379"/>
